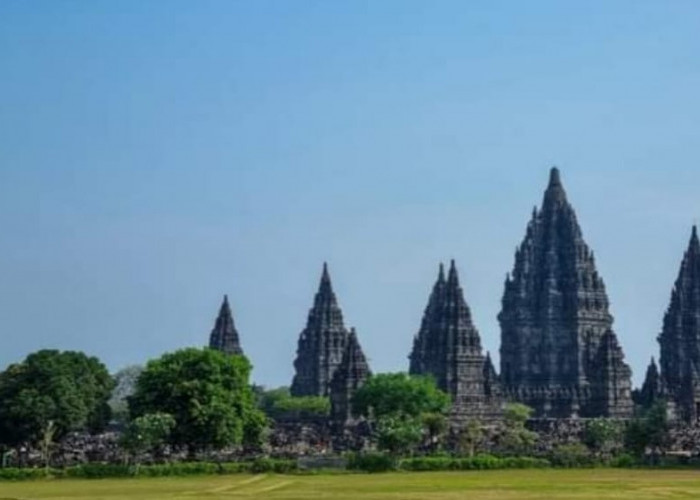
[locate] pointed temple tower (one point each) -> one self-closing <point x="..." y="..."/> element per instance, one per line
<point x="348" y="378"/>
<point x="559" y="354"/>
<point x="652" y="389"/>
<point x="680" y="338"/>
<point x="224" y="336"/>
<point x="321" y="344"/>
<point x="448" y="347"/>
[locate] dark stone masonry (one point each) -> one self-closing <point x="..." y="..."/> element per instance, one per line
<point x="224" y="336"/>
<point x="321" y="344"/>
<point x="559" y="354"/>
<point x="680" y="338"/>
<point x="348" y="378"/>
<point x="448" y="347"/>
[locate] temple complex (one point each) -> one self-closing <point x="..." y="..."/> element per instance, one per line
<point x="559" y="354"/>
<point x="224" y="336"/>
<point x="321" y="344"/>
<point x="680" y="337"/>
<point x="448" y="347"/>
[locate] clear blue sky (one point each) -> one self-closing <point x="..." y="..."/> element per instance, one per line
<point x="156" y="155"/>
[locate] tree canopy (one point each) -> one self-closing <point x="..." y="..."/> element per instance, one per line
<point x="206" y="392"/>
<point x="407" y="409"/>
<point x="61" y="391"/>
<point x="392" y="394"/>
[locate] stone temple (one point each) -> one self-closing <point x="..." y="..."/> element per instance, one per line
<point x="448" y="347"/>
<point x="559" y="353"/>
<point x="352" y="372"/>
<point x="224" y="336"/>
<point x="321" y="344"/>
<point x="680" y="339"/>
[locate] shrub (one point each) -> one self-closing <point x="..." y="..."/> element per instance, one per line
<point x="571" y="455"/>
<point x="273" y="465"/>
<point x="479" y="462"/>
<point x="371" y="462"/>
<point x="17" y="474"/>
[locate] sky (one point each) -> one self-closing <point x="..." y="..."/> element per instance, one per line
<point x="156" y="155"/>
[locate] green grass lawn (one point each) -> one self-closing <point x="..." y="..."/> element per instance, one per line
<point x="497" y="485"/>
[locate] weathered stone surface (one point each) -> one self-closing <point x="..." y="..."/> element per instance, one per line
<point x="348" y="378"/>
<point x="321" y="344"/>
<point x="559" y="354"/>
<point x="680" y="338"/>
<point x="224" y="336"/>
<point x="652" y="389"/>
<point x="448" y="347"/>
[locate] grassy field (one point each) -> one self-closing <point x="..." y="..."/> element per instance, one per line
<point x="488" y="485"/>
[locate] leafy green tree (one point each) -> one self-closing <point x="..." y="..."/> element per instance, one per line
<point x="207" y="393"/>
<point x="650" y="432"/>
<point x="399" y="394"/>
<point x="51" y="393"/>
<point x="602" y="435"/>
<point x="278" y="403"/>
<point x="399" y="434"/>
<point x="515" y="438"/>
<point x="470" y="436"/>
<point x="147" y="433"/>
<point x="404" y="408"/>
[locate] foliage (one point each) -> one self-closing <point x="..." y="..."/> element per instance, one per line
<point x="371" y="462"/>
<point x="147" y="433"/>
<point x="279" y="403"/>
<point x="125" y="383"/>
<point x="399" y="434"/>
<point x="206" y="392"/>
<point x="515" y="439"/>
<point x="404" y="408"/>
<point x="469" y="437"/>
<point x="651" y="431"/>
<point x="478" y="462"/>
<point x="602" y="435"/>
<point x="571" y="455"/>
<point x="390" y="394"/>
<point x="53" y="391"/>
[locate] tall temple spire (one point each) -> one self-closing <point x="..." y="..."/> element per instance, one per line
<point x="555" y="193"/>
<point x="224" y="336"/>
<point x="652" y="388"/>
<point x="680" y="337"/>
<point x="351" y="374"/>
<point x="555" y="318"/>
<point x="321" y="344"/>
<point x="448" y="347"/>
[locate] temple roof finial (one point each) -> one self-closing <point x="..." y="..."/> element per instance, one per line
<point x="452" y="274"/>
<point x="554" y="177"/>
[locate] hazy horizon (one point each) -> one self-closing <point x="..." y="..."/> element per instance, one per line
<point x="159" y="155"/>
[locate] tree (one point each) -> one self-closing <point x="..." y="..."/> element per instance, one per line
<point x="51" y="393"/>
<point x="399" y="394"/>
<point x="278" y="403"/>
<point x="602" y="435"/>
<point x="650" y="432"/>
<point x="125" y="383"/>
<point x="404" y="408"/>
<point x="207" y="393"/>
<point x="515" y="437"/>
<point x="147" y="433"/>
<point x="470" y="436"/>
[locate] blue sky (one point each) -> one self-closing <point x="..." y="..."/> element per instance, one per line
<point x="156" y="155"/>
